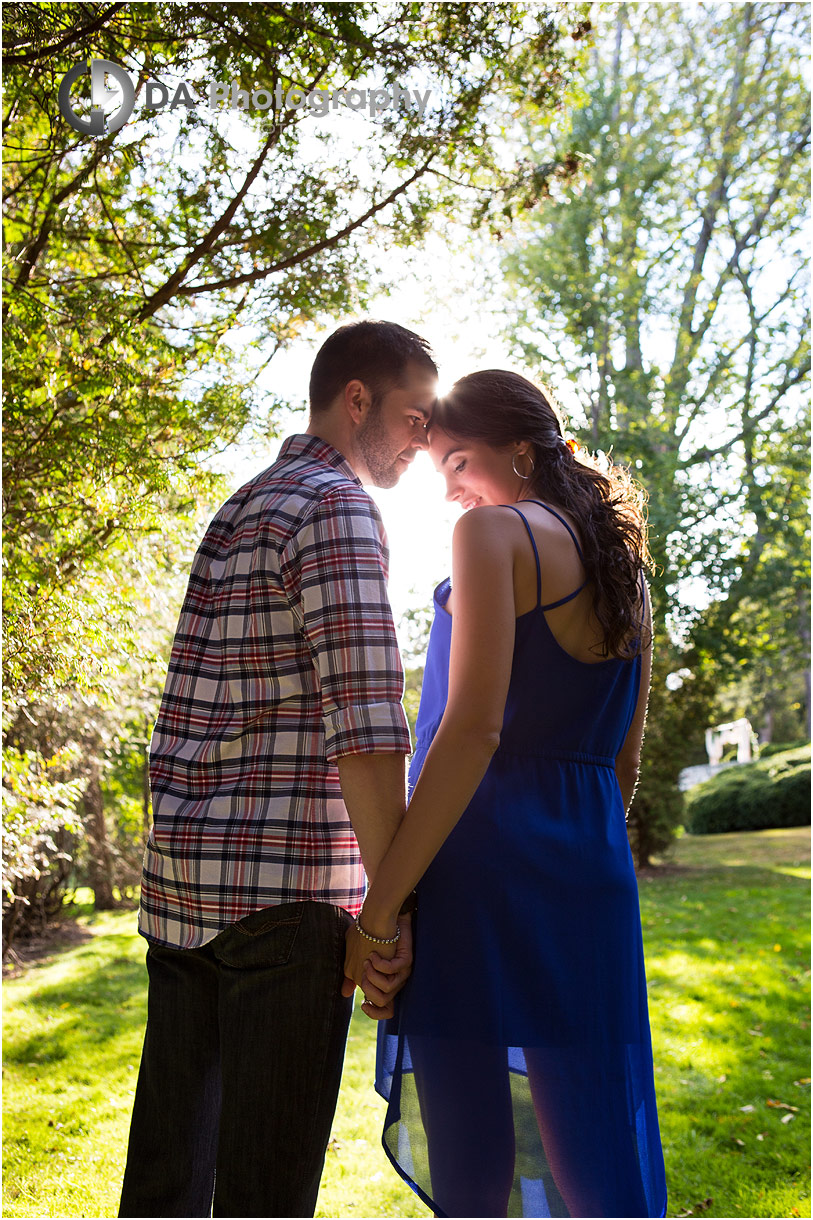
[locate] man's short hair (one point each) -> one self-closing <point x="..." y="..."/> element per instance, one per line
<point x="376" y="353"/>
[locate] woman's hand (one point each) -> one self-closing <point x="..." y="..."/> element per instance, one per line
<point x="379" y="970"/>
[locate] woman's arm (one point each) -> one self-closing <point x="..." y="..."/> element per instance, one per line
<point x="479" y="674"/>
<point x="628" y="759"/>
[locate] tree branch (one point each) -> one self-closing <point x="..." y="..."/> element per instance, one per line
<point x="71" y="37"/>
<point x="684" y="345"/>
<point x="251" y="277"/>
<point x="694" y="337"/>
<point x="36" y="247"/>
<point x="173" y="285"/>
<point x="120" y="241"/>
<point x="705" y="453"/>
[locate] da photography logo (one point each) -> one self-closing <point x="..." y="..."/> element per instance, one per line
<point x="98" y="123"/>
<point x="219" y="96"/>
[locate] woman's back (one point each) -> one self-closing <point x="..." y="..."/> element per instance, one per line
<point x="563" y="695"/>
<point x="556" y="542"/>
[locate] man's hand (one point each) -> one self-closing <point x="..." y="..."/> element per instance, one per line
<point x="378" y="975"/>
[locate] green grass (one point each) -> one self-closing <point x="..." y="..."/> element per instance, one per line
<point x="73" y="1028"/>
<point x="726" y="932"/>
<point x="726" y="937"/>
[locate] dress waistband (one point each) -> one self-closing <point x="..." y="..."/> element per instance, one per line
<point x="575" y="756"/>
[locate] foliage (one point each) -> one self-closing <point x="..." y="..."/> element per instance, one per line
<point x="100" y="736"/>
<point x="413" y="680"/>
<point x="640" y="288"/>
<point x="669" y="743"/>
<point x="40" y="819"/>
<point x="757" y="638"/>
<point x="778" y="747"/>
<point x="726" y="948"/>
<point x="774" y="791"/>
<point x="139" y="264"/>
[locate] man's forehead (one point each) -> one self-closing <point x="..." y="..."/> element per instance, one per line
<point x="421" y="387"/>
<point x="418" y="375"/>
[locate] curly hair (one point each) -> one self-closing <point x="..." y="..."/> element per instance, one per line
<point x="501" y="408"/>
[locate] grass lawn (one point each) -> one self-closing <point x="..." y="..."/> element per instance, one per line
<point x="726" y="928"/>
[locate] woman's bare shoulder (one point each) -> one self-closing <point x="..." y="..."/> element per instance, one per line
<point x="485" y="521"/>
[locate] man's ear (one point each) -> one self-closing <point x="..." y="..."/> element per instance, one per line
<point x="357" y="399"/>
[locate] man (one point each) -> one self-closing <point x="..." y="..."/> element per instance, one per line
<point x="276" y="767"/>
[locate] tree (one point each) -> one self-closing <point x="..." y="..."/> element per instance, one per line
<point x="758" y="636"/>
<point x="668" y="290"/>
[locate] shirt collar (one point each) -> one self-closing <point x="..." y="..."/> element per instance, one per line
<point x="313" y="447"/>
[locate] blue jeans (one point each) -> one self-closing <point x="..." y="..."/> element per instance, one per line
<point x="241" y="1068"/>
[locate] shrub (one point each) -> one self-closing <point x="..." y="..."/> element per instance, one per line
<point x="780" y="747"/>
<point x="669" y="744"/>
<point x="774" y="791"/>
<point x="40" y="824"/>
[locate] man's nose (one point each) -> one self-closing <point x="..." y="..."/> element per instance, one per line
<point x="419" y="438"/>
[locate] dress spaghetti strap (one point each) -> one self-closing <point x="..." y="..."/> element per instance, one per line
<point x="569" y="597"/>
<point x="524" y="520"/>
<point x="559" y="517"/>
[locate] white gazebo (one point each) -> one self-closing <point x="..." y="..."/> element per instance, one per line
<point x="738" y="733"/>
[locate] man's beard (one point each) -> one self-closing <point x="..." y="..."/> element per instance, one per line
<point x="375" y="447"/>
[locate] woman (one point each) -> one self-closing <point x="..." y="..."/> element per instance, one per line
<point x="518" y="1069"/>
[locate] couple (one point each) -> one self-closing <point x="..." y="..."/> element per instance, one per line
<point x="517" y="1059"/>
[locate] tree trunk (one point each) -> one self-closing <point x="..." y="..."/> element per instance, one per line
<point x="100" y="871"/>
<point x="803" y="603"/>
<point x="145" y="781"/>
<point x="766" y="732"/>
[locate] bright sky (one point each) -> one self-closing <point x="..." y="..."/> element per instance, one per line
<point x="435" y="301"/>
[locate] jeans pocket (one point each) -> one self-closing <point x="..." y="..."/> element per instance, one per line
<point x="264" y="938"/>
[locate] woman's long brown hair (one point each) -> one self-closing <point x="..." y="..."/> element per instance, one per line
<point x="502" y="408"/>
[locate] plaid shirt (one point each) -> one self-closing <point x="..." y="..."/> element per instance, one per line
<point x="285" y="659"/>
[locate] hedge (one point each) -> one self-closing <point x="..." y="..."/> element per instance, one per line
<point x="779" y="747"/>
<point x="774" y="791"/>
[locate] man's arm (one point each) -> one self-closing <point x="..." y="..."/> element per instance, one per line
<point x="335" y="572"/>
<point x="374" y="791"/>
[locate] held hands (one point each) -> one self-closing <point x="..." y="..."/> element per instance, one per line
<point x="379" y="970"/>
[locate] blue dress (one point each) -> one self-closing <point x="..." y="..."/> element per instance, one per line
<point x="518" y="1066"/>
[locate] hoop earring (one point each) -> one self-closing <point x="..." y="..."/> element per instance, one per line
<point x="514" y="466"/>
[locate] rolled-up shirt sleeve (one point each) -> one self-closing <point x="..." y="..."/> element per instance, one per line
<point x="335" y="572"/>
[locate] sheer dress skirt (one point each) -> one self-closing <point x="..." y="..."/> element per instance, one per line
<point x="518" y="1068"/>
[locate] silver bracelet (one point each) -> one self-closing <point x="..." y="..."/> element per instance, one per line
<point x="377" y="940"/>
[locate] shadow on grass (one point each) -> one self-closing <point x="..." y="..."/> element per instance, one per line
<point x="37" y="950"/>
<point x="726" y="876"/>
<point x="770" y="873"/>
<point x="764" y="849"/>
<point x="102" y="1003"/>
